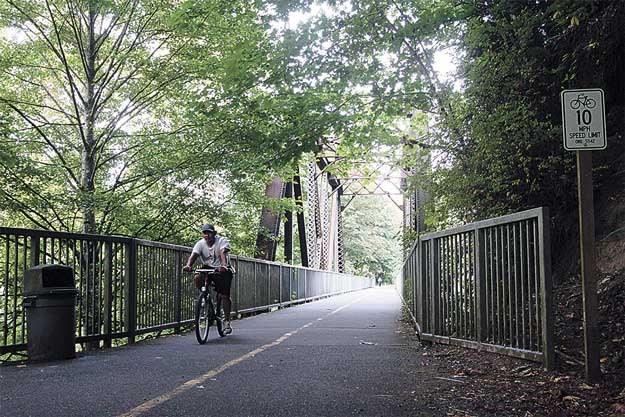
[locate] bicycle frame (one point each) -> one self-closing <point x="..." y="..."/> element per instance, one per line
<point x="205" y="273"/>
<point x="207" y="307"/>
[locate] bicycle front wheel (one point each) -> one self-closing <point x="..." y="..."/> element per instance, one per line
<point x="202" y="318"/>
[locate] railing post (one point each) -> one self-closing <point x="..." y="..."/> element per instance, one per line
<point x="131" y="290"/>
<point x="255" y="304"/>
<point x="480" y="285"/>
<point x="108" y="296"/>
<point x="237" y="306"/>
<point x="420" y="295"/>
<point x="268" y="300"/>
<point x="178" y="291"/>
<point x="435" y="285"/>
<point x="280" y="287"/>
<point x="305" y="282"/>
<point x="546" y="286"/>
<point x="416" y="284"/>
<point x="34" y="250"/>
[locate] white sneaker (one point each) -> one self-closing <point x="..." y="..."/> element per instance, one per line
<point x="227" y="328"/>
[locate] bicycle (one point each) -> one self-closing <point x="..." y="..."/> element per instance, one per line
<point x="583" y="101"/>
<point x="207" y="311"/>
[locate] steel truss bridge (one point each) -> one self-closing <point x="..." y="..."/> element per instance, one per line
<point x="319" y="213"/>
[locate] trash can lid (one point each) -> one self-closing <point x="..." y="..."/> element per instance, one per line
<point x="42" y="278"/>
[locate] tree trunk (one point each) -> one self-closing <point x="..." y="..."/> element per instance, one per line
<point x="87" y="188"/>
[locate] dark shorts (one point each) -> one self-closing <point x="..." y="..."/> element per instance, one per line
<point x="223" y="281"/>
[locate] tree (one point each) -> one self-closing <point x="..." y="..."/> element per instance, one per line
<point x="134" y="116"/>
<point x="372" y="244"/>
<point x="509" y="154"/>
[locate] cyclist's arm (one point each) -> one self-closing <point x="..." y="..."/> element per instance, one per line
<point x="190" y="261"/>
<point x="223" y="258"/>
<point x="224" y="249"/>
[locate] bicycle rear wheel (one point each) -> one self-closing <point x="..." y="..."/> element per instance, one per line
<point x="202" y="318"/>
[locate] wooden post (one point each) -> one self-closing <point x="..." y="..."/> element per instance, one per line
<point x="587" y="250"/>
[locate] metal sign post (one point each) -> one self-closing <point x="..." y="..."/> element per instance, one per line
<point x="589" y="276"/>
<point x="583" y="125"/>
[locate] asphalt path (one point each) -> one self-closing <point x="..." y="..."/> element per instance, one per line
<point x="341" y="356"/>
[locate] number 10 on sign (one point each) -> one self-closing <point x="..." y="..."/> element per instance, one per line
<point x="583" y="119"/>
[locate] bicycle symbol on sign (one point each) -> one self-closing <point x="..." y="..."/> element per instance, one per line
<point x="583" y="101"/>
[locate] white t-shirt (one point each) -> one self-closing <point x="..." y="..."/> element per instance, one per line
<point x="210" y="255"/>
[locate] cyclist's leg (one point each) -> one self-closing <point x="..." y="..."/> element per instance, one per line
<point x="222" y="285"/>
<point x="226" y="304"/>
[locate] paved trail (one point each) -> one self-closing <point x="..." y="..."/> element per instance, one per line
<point x="340" y="356"/>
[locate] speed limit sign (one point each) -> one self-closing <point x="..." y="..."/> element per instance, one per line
<point x="583" y="119"/>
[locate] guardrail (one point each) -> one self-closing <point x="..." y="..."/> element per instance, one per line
<point x="129" y="287"/>
<point x="485" y="285"/>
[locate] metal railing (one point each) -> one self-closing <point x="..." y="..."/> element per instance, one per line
<point x="485" y="285"/>
<point x="129" y="287"/>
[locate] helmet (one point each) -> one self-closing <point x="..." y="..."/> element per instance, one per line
<point x="208" y="228"/>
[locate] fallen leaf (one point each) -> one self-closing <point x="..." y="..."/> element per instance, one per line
<point x="571" y="398"/>
<point x="527" y="372"/>
<point x="586" y="386"/>
<point x="450" y="379"/>
<point x="618" y="407"/>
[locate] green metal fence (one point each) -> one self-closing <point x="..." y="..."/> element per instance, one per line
<point x="129" y="287"/>
<point x="485" y="285"/>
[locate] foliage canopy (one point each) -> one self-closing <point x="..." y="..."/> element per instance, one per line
<point x="147" y="117"/>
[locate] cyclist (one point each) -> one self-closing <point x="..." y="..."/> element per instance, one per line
<point x="213" y="251"/>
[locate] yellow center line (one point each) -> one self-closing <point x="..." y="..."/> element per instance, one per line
<point x="150" y="404"/>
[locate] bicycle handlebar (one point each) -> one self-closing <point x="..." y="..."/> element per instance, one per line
<point x="209" y="270"/>
<point x="206" y="270"/>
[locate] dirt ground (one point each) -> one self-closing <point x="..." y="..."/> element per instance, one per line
<point x="487" y="384"/>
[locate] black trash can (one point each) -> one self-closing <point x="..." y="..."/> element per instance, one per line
<point x="50" y="302"/>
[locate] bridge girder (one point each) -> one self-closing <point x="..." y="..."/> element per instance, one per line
<point x="320" y="230"/>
